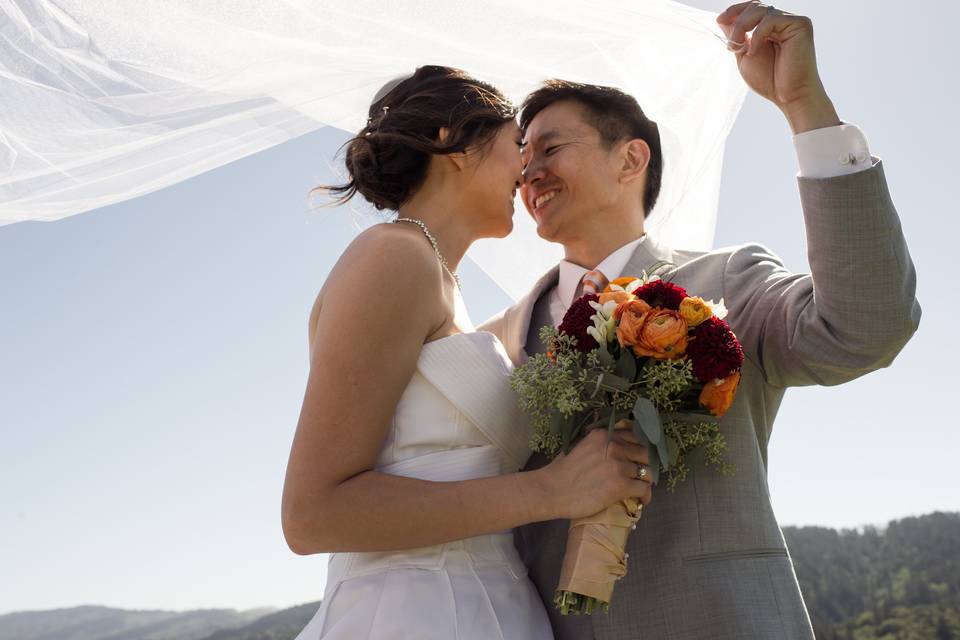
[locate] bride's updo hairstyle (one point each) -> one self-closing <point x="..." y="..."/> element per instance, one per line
<point x="387" y="160"/>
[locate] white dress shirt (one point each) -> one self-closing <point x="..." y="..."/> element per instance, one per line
<point x="822" y="153"/>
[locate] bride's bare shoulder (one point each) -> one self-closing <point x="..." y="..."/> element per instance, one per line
<point x="394" y="259"/>
<point x="386" y="243"/>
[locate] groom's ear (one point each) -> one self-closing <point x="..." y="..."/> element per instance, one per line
<point x="635" y="156"/>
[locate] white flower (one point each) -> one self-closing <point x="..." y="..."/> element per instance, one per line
<point x="606" y="310"/>
<point x="718" y="308"/>
<point x="604" y="325"/>
<point x="599" y="334"/>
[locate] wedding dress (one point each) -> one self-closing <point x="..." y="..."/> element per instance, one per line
<point x="456" y="420"/>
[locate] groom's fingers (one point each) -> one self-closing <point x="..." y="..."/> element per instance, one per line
<point x="642" y="492"/>
<point x="747" y="21"/>
<point x="732" y="12"/>
<point x="768" y="25"/>
<point x="633" y="453"/>
<point x="623" y="431"/>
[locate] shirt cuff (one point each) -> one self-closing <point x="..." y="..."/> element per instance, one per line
<point x="832" y="151"/>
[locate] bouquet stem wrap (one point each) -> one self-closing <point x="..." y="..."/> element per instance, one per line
<point x="595" y="558"/>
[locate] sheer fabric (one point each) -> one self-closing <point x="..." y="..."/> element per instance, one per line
<point x="105" y="100"/>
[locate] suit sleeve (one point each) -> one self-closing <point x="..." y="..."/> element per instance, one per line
<point x="856" y="309"/>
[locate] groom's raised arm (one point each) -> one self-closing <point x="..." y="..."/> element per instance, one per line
<point x="856" y="309"/>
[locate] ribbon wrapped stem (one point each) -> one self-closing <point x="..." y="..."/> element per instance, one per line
<point x="595" y="558"/>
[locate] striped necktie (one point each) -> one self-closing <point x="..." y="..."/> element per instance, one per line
<point x="591" y="282"/>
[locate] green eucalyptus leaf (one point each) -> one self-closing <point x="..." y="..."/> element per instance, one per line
<point x="654" y="464"/>
<point x="567" y="432"/>
<point x="605" y="358"/>
<point x="654" y="459"/>
<point x="611" y="382"/>
<point x="673" y="450"/>
<point x="626" y="365"/>
<point x="601" y="417"/>
<point x="647" y="415"/>
<point x="556" y="424"/>
<point x="640" y="435"/>
<point x="669" y="447"/>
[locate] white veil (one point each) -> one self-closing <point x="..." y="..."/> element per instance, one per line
<point x="105" y="100"/>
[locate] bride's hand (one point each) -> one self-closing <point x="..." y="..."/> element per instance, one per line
<point x="779" y="62"/>
<point x="597" y="473"/>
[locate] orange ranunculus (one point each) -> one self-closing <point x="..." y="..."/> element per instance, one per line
<point x="695" y="311"/>
<point x="619" y="297"/>
<point x="630" y="316"/>
<point x="663" y="335"/>
<point x="717" y="395"/>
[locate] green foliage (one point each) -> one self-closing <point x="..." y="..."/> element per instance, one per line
<point x="666" y="382"/>
<point x="546" y="388"/>
<point x="689" y="436"/>
<point x="899" y="583"/>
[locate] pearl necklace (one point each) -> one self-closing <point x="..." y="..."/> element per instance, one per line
<point x="436" y="249"/>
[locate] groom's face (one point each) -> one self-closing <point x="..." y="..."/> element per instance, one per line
<point x="570" y="177"/>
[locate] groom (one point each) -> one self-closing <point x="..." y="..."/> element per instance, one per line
<point x="709" y="560"/>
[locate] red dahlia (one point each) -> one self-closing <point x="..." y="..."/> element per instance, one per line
<point x="714" y="350"/>
<point x="576" y="321"/>
<point x="661" y="294"/>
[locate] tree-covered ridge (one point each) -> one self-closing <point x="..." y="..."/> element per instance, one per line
<point x="898" y="582"/>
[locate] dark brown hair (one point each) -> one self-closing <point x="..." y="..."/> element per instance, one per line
<point x="387" y="160"/>
<point x="614" y="114"/>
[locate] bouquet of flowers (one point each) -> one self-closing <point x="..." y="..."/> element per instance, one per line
<point x="642" y="350"/>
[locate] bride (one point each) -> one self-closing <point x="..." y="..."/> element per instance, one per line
<point x="404" y="463"/>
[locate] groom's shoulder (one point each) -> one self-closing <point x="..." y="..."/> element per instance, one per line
<point x="736" y="257"/>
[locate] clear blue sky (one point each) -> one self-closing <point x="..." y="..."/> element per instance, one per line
<point x="153" y="353"/>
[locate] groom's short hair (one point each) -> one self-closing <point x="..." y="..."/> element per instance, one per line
<point x="614" y="114"/>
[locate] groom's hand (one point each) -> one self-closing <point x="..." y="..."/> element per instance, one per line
<point x="779" y="62"/>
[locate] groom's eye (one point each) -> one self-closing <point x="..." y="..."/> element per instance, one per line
<point x="549" y="150"/>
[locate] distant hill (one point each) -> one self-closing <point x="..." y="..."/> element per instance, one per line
<point x="901" y="582"/>
<point x="282" y="625"/>
<point x="103" y="623"/>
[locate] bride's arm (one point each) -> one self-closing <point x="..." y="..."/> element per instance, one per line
<point x="379" y="305"/>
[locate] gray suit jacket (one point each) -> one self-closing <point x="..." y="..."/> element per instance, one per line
<point x="709" y="560"/>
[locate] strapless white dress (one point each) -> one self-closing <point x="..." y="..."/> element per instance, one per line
<point x="456" y="420"/>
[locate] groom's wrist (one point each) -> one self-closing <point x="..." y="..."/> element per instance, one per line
<point x="807" y="114"/>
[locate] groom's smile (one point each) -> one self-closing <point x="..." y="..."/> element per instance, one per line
<point x="538" y="200"/>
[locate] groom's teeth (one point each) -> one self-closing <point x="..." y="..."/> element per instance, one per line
<point x="547" y="197"/>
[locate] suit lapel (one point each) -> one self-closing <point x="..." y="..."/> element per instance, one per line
<point x="647" y="253"/>
<point x="517" y="318"/>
